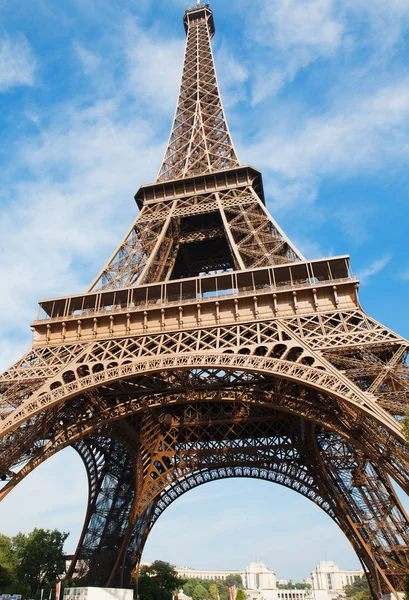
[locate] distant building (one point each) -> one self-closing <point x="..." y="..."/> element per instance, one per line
<point x="328" y="578"/>
<point x="260" y="583"/>
<point x="256" y="576"/>
<point x="94" y="593"/>
<point x="259" y="577"/>
<point x="189" y="573"/>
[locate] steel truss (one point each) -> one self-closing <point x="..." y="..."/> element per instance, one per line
<point x="208" y="348"/>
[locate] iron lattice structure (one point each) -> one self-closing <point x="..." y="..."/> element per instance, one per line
<point x="208" y="348"/>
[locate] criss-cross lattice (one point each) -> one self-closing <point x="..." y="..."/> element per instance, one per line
<point x="200" y="141"/>
<point x="209" y="348"/>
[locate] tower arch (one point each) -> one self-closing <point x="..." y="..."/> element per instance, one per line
<point x="209" y="347"/>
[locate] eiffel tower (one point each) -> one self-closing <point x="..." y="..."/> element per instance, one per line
<point x="208" y="347"/>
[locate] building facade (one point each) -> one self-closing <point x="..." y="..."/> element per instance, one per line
<point x="215" y="575"/>
<point x="328" y="577"/>
<point x="257" y="576"/>
<point x="328" y="581"/>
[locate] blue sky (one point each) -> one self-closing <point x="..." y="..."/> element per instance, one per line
<point x="317" y="97"/>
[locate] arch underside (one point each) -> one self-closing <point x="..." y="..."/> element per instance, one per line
<point x="193" y="443"/>
<point x="147" y="440"/>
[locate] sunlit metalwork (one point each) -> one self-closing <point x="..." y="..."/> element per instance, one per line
<point x="208" y="348"/>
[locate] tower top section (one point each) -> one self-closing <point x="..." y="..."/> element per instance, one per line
<point x="199" y="12"/>
<point x="200" y="141"/>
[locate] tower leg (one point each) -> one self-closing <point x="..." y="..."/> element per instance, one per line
<point x="101" y="558"/>
<point x="368" y="511"/>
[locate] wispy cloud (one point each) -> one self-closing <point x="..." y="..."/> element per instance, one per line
<point x="363" y="132"/>
<point x="17" y="63"/>
<point x="90" y="61"/>
<point x="154" y="67"/>
<point x="373" y="268"/>
<point x="232" y="75"/>
<point x="73" y="181"/>
<point x="71" y="208"/>
<point x="299" y="33"/>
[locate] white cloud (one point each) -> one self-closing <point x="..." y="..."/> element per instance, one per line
<point x="89" y="60"/>
<point x="295" y="34"/>
<point x="298" y="34"/>
<point x="383" y="22"/>
<point x="361" y="133"/>
<point x="17" y="63"/>
<point x="292" y="24"/>
<point x="373" y="268"/>
<point x="64" y="220"/>
<point x="68" y="189"/>
<point x="232" y="75"/>
<point x="154" y="66"/>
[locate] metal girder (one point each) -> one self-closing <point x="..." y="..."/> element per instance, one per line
<point x="101" y="557"/>
<point x="200" y="140"/>
<point x="166" y="374"/>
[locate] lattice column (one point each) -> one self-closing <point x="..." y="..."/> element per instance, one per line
<point x="101" y="555"/>
<point x="255" y="238"/>
<point x="145" y="252"/>
<point x="369" y="511"/>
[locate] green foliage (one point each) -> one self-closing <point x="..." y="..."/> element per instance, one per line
<point x="200" y="592"/>
<point x="7" y="565"/>
<point x="215" y="589"/>
<point x="6" y="580"/>
<point x="302" y="586"/>
<point x="41" y="558"/>
<point x="240" y="595"/>
<point x="406" y="587"/>
<point x="70" y="583"/>
<point x="29" y="562"/>
<point x="236" y="579"/>
<point x="358" y="589"/>
<point x="158" y="581"/>
<point x="294" y="586"/>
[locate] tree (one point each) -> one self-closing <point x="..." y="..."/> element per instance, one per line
<point x="236" y="579"/>
<point x="7" y="564"/>
<point x="302" y="586"/>
<point x="6" y="579"/>
<point x="287" y="586"/>
<point x="214" y="592"/>
<point x="240" y="595"/>
<point x="188" y="587"/>
<point x="200" y="592"/>
<point x="158" y="581"/>
<point x="359" y="586"/>
<point x="40" y="557"/>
